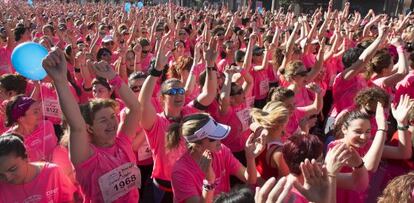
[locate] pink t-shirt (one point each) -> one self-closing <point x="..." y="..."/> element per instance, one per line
<point x="293" y="123"/>
<point x="261" y="83"/>
<point x="302" y="97"/>
<point x="50" y="185"/>
<point x="239" y="119"/>
<point x="145" y="63"/>
<point x="344" y="92"/>
<point x="143" y="155"/>
<point x="5" y="60"/>
<point x="93" y="173"/>
<point x="41" y="143"/>
<point x="164" y="159"/>
<point x="405" y="86"/>
<point x="379" y="82"/>
<point x="309" y="60"/>
<point x="187" y="178"/>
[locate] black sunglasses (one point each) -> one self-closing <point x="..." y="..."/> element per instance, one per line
<point x="136" y="88"/>
<point x="175" y="91"/>
<point x="302" y="73"/>
<point x="145" y="51"/>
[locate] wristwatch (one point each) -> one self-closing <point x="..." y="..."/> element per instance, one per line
<point x="207" y="186"/>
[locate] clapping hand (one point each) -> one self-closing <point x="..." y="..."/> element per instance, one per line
<point x="400" y="112"/>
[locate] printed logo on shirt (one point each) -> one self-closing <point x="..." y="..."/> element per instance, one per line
<point x="33" y="198"/>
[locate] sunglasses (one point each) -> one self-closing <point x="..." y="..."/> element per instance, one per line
<point x="220" y="34"/>
<point x="136" y="88"/>
<point x="175" y="91"/>
<point x="181" y="33"/>
<point x="302" y="73"/>
<point x="235" y="93"/>
<point x="145" y="51"/>
<point x="258" y="54"/>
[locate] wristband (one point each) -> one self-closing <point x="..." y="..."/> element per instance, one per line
<point x="400" y="49"/>
<point x="116" y="82"/>
<point x="213" y="68"/>
<point x="383" y="130"/>
<point x="360" y="165"/>
<point x="208" y="186"/>
<point x="402" y="128"/>
<point x="77" y="70"/>
<point x="154" y="72"/>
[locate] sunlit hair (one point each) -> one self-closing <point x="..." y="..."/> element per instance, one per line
<point x="400" y="189"/>
<point x="273" y="114"/>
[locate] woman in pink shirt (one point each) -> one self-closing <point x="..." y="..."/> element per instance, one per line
<point x="355" y="129"/>
<point x="172" y="99"/>
<point x="25" y="181"/>
<point x="382" y="68"/>
<point x="24" y="118"/>
<point x="100" y="148"/>
<point x="204" y="170"/>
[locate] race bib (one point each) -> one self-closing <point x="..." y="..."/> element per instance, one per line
<point x="119" y="181"/>
<point x="250" y="101"/>
<point x="144" y="152"/>
<point x="51" y="108"/>
<point x="244" y="118"/>
<point x="264" y="87"/>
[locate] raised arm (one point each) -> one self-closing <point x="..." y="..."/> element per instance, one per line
<point x="366" y="55"/>
<point x="209" y="91"/>
<point x="404" y="148"/>
<point x="55" y="66"/>
<point x="402" y="71"/>
<point x="319" y="63"/>
<point x="129" y="125"/>
<point x="147" y="108"/>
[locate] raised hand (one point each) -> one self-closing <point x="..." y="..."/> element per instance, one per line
<point x="316" y="182"/>
<point x="211" y="52"/>
<point x="400" y="112"/>
<point x="255" y="144"/>
<point x="104" y="70"/>
<point x="55" y="65"/>
<point x="380" y="117"/>
<point x="336" y="158"/>
<point x="162" y="53"/>
<point x="273" y="191"/>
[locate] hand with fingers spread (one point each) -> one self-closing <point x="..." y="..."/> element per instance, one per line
<point x="55" y="65"/>
<point x="104" y="70"/>
<point x="211" y="52"/>
<point x="316" y="183"/>
<point x="355" y="160"/>
<point x="400" y="112"/>
<point x="336" y="158"/>
<point x="162" y="53"/>
<point x="273" y="191"/>
<point x="255" y="144"/>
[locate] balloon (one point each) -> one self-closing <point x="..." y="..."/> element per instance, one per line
<point x="260" y="10"/>
<point x="30" y="2"/>
<point x="127" y="7"/>
<point x="140" y="5"/>
<point x="27" y="60"/>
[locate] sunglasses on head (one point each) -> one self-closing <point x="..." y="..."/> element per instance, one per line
<point x="175" y="91"/>
<point x="136" y="88"/>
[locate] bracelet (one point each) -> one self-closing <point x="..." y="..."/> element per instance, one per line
<point x="116" y="82"/>
<point x="208" y="186"/>
<point x="400" y="49"/>
<point x="402" y="128"/>
<point x="154" y="72"/>
<point x="383" y="130"/>
<point x="360" y="165"/>
<point x="213" y="68"/>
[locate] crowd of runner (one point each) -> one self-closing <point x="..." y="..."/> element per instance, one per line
<point x="172" y="104"/>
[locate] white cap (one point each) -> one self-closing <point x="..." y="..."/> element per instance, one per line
<point x="107" y="38"/>
<point x="212" y="130"/>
